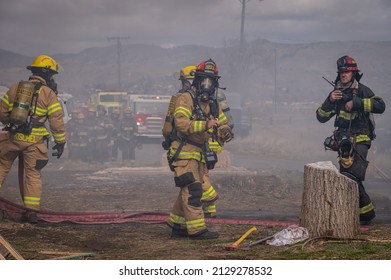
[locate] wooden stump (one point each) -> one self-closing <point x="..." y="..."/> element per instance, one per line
<point x="330" y="202"/>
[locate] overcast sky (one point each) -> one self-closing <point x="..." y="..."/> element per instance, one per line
<point x="32" y="27"/>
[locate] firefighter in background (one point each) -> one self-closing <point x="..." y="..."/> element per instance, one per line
<point x="89" y="124"/>
<point x="69" y="126"/>
<point x="114" y="128"/>
<point x="100" y="137"/>
<point x="127" y="141"/>
<point x="79" y="139"/>
<point x="24" y="110"/>
<point x="196" y="115"/>
<point x="352" y="103"/>
<point x="70" y="123"/>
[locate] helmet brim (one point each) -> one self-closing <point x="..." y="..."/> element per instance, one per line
<point x="348" y="69"/>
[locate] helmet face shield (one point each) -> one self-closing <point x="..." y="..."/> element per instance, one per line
<point x="341" y="62"/>
<point x="206" y="84"/>
<point x="206" y="88"/>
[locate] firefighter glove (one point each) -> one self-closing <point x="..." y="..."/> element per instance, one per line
<point x="225" y="133"/>
<point x="60" y="149"/>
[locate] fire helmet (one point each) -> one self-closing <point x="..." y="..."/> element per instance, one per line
<point x="206" y="80"/>
<point x="187" y="72"/>
<point x="128" y="110"/>
<point x="46" y="62"/>
<point x="75" y="111"/>
<point x="80" y="116"/>
<point x="101" y="109"/>
<point x="116" y="111"/>
<point x="207" y="68"/>
<point x="91" y="109"/>
<point x="347" y="63"/>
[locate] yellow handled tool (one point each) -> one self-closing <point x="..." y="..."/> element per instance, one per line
<point x="235" y="245"/>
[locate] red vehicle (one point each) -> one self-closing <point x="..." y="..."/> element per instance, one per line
<point x="150" y="112"/>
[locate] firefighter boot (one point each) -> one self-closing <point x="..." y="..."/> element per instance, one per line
<point x="178" y="233"/>
<point x="30" y="217"/>
<point x="205" y="235"/>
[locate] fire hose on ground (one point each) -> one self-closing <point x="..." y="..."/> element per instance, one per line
<point x="14" y="212"/>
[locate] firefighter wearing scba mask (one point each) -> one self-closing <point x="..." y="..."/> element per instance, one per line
<point x="78" y="139"/>
<point x="353" y="104"/>
<point x="100" y="135"/>
<point x="196" y="116"/>
<point x="209" y="194"/>
<point x="24" y="110"/>
<point x="128" y="138"/>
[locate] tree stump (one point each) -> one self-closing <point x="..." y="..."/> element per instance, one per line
<point x="330" y="204"/>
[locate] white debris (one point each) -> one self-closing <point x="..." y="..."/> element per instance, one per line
<point x="290" y="235"/>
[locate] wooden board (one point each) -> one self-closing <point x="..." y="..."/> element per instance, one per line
<point x="8" y="249"/>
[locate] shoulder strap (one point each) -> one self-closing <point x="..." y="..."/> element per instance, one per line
<point x="34" y="100"/>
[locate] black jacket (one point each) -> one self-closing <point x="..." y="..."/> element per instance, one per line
<point x="357" y="121"/>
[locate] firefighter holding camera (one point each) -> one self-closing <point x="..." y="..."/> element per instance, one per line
<point x="196" y="116"/>
<point x="24" y="110"/>
<point x="353" y="105"/>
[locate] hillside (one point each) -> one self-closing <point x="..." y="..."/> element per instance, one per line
<point x="149" y="68"/>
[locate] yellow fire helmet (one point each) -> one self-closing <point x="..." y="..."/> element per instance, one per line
<point x="75" y="111"/>
<point x="91" y="109"/>
<point x="45" y="61"/>
<point x="116" y="111"/>
<point x="128" y="110"/>
<point x="80" y="116"/>
<point x="187" y="72"/>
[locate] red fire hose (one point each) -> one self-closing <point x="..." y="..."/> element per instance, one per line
<point x="15" y="211"/>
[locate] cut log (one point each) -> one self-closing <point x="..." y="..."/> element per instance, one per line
<point x="330" y="205"/>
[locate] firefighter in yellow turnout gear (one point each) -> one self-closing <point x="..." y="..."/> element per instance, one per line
<point x="26" y="137"/>
<point x="209" y="194"/>
<point x="196" y="116"/>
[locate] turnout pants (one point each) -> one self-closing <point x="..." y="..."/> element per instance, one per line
<point x="128" y="149"/>
<point x="357" y="172"/>
<point x="35" y="157"/>
<point x="209" y="197"/>
<point x="186" y="213"/>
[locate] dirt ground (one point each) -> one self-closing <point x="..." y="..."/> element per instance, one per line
<point x="244" y="194"/>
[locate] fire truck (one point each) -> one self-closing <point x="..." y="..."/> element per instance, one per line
<point x="109" y="99"/>
<point x="149" y="112"/>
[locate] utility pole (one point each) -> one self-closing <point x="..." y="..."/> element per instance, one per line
<point x="118" y="39"/>
<point x="275" y="79"/>
<point x="244" y="2"/>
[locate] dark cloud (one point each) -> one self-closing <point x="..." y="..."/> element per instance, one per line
<point x="54" y="26"/>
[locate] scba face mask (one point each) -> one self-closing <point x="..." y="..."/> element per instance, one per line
<point x="53" y="84"/>
<point x="206" y="88"/>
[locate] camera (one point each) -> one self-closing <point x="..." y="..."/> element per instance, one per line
<point x="210" y="159"/>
